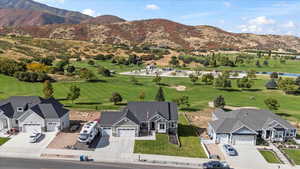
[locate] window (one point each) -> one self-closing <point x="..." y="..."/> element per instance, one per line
<point x="173" y="125"/>
<point x="20" y="109"/>
<point x="17" y="122"/>
<point x="162" y="126"/>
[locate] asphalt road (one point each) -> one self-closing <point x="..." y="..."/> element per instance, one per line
<point x="11" y="163"/>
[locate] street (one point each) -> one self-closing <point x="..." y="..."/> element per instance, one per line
<point x="16" y="163"/>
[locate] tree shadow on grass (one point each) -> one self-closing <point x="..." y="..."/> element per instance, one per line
<point x="230" y="90"/>
<point x="163" y="84"/>
<point x="252" y="90"/>
<point x="190" y="109"/>
<point x="88" y="103"/>
<point x="61" y="99"/>
<point x="283" y="114"/>
<point x="98" y="80"/>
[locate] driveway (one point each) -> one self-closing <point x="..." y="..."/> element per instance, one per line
<point x="116" y="145"/>
<point x="20" y="145"/>
<point x="248" y="158"/>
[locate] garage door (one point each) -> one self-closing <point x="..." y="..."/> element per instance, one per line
<point x="126" y="132"/>
<point x="244" y="140"/>
<point x="52" y="126"/>
<point x="32" y="127"/>
<point x="106" y="132"/>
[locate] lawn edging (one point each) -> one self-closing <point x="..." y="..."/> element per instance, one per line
<point x="277" y="160"/>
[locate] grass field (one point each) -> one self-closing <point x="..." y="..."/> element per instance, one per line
<point x="190" y="145"/>
<point x="96" y="94"/>
<point x="293" y="154"/>
<point x="269" y="156"/>
<point x="3" y="140"/>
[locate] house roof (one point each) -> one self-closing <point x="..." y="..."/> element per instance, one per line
<point x="46" y="108"/>
<point x="141" y="111"/>
<point x="251" y="118"/>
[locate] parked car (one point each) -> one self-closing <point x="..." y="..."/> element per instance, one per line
<point x="230" y="150"/>
<point x="34" y="136"/>
<point x="215" y="165"/>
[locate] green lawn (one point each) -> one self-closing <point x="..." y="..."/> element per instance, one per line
<point x="97" y="94"/>
<point x="269" y="156"/>
<point x="294" y="155"/>
<point x="3" y="140"/>
<point x="190" y="145"/>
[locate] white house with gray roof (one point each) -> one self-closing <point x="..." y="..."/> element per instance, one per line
<point x="28" y="113"/>
<point x="140" y="119"/>
<point x="244" y="126"/>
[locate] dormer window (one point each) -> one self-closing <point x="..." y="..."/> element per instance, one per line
<point x="20" y="109"/>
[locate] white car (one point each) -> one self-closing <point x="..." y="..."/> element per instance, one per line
<point x="34" y="137"/>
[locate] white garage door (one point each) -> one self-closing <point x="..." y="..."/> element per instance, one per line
<point x="52" y="126"/>
<point x="106" y="132"/>
<point x="126" y="132"/>
<point x="32" y="127"/>
<point x="244" y="140"/>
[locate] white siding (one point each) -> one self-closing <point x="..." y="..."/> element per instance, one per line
<point x="31" y="118"/>
<point x="222" y="138"/>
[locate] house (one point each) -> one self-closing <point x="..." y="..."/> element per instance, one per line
<point x="244" y="126"/>
<point x="271" y="85"/>
<point x="28" y="113"/>
<point x="140" y="119"/>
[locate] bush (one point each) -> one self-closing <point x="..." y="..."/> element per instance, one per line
<point x="31" y="76"/>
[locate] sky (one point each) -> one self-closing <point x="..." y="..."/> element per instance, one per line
<point x="245" y="16"/>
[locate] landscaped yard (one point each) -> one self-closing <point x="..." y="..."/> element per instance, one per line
<point x="190" y="144"/>
<point x="269" y="156"/>
<point x="293" y="154"/>
<point x="3" y="140"/>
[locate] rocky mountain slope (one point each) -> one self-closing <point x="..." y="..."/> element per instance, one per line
<point x="160" y="32"/>
<point x="71" y="16"/>
<point x="104" y="19"/>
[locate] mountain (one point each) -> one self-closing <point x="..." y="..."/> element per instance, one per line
<point x="160" y="32"/>
<point x="75" y="17"/>
<point x="17" y="17"/>
<point x="104" y="19"/>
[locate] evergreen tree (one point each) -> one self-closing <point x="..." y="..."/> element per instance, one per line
<point x="48" y="89"/>
<point x="160" y="95"/>
<point x="193" y="78"/>
<point x="219" y="102"/>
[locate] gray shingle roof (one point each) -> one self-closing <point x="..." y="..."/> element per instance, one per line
<point x="141" y="111"/>
<point x="46" y="108"/>
<point x="251" y="118"/>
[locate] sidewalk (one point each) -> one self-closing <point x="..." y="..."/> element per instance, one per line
<point x="280" y="155"/>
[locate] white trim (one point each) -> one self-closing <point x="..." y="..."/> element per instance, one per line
<point x="242" y="127"/>
<point x="115" y="124"/>
<point x="160" y="116"/>
<point x="276" y="124"/>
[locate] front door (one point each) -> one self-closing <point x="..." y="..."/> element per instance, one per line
<point x="152" y="127"/>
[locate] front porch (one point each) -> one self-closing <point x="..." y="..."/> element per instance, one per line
<point x="148" y="128"/>
<point x="277" y="134"/>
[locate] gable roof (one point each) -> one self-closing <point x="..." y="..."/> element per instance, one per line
<point x="141" y="111"/>
<point x="251" y="118"/>
<point x="46" y="108"/>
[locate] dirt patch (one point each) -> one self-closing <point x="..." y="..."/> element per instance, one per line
<point x="64" y="138"/>
<point x="211" y="104"/>
<point x="200" y="120"/>
<point x="214" y="149"/>
<point x="179" y="88"/>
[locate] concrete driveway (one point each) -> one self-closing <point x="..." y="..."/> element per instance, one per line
<point x="20" y="146"/>
<point x="248" y="158"/>
<point x="116" y="145"/>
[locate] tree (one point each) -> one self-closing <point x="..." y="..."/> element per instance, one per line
<point x="157" y="79"/>
<point x="219" y="102"/>
<point x="48" y="89"/>
<point x="257" y="63"/>
<point x="193" y="78"/>
<point x="37" y="67"/>
<point x="174" y="61"/>
<point x="182" y="101"/>
<point x="288" y="85"/>
<point x="74" y="93"/>
<point x="160" y="95"/>
<point x="266" y="63"/>
<point x="297" y="82"/>
<point x="91" y="62"/>
<point x="222" y="82"/>
<point x="274" y="75"/>
<point x="116" y="98"/>
<point x="71" y="69"/>
<point x="245" y="82"/>
<point x="272" y="104"/>
<point x="208" y="79"/>
<point x="103" y="71"/>
<point x="251" y="74"/>
<point x="87" y="74"/>
<point x="142" y="95"/>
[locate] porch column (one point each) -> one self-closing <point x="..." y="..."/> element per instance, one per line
<point x="148" y="127"/>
